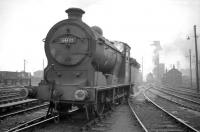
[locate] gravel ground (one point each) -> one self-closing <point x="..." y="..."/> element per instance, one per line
<point x="71" y="123"/>
<point x="63" y="126"/>
<point x="122" y="120"/>
<point x="189" y="116"/>
<point x="13" y="121"/>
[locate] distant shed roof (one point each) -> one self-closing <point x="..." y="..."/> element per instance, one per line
<point x="174" y="70"/>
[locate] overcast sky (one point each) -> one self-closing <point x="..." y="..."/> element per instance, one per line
<point x="24" y="23"/>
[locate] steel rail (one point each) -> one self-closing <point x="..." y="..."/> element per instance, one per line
<point x="180" y="87"/>
<point x="18" y="102"/>
<point x="36" y="122"/>
<point x="32" y="123"/>
<point x="23" y="111"/>
<point x="186" y="99"/>
<point x="136" y="116"/>
<point x="181" y="104"/>
<point x="183" y="92"/>
<point x="11" y="99"/>
<point x="171" y="115"/>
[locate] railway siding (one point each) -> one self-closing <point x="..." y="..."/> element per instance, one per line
<point x="13" y="121"/>
<point x="189" y="116"/>
<point x="193" y="104"/>
<point x="154" y="118"/>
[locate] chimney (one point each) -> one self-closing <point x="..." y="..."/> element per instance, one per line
<point x="75" y="13"/>
<point x="173" y="66"/>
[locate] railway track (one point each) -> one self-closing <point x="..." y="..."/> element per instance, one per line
<point x="40" y="106"/>
<point x="6" y="92"/>
<point x="8" y="87"/>
<point x="13" y="94"/>
<point x="154" y="118"/>
<point x="179" y="95"/>
<point x="21" y="106"/>
<point x="165" y="122"/>
<point x="13" y="89"/>
<point x="185" y="101"/>
<point x="76" y="121"/>
<point x="34" y="124"/>
<point x="187" y="93"/>
<point x="182" y="88"/>
<point x="11" y="98"/>
<point x="186" y="114"/>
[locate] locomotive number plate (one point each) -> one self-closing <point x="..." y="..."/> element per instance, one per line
<point x="68" y="40"/>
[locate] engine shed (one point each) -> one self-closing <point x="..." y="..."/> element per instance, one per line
<point x="173" y="77"/>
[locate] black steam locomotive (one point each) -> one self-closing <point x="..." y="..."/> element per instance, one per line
<point x="84" y="68"/>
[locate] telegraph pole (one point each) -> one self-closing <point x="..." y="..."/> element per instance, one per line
<point x="190" y="68"/>
<point x="196" y="52"/>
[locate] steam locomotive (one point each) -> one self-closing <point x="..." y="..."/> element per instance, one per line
<point x="85" y="69"/>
